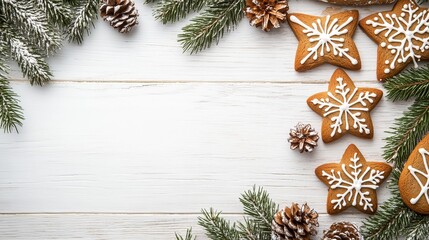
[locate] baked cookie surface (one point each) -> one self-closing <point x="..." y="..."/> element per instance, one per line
<point x="345" y="108"/>
<point x="353" y="182"/>
<point x="326" y="39"/>
<point x="402" y="36"/>
<point x="414" y="179"/>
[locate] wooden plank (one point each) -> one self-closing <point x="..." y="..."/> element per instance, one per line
<point x="151" y="53"/>
<point x="115" y="226"/>
<point x="160" y="148"/>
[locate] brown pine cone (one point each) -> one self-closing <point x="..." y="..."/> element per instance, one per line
<point x="122" y="14"/>
<point x="266" y="13"/>
<point x="303" y="137"/>
<point x="342" y="231"/>
<point x="295" y="223"/>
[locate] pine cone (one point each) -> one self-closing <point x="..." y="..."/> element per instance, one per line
<point x="342" y="231"/>
<point x="303" y="137"/>
<point x="122" y="14"/>
<point x="295" y="223"/>
<point x="266" y="13"/>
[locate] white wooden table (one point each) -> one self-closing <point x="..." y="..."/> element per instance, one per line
<point x="132" y="138"/>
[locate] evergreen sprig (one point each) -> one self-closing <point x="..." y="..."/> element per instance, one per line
<point x="85" y="14"/>
<point x="168" y="11"/>
<point x="413" y="83"/>
<point x="259" y="211"/>
<point x="219" y="16"/>
<point x="407" y="132"/>
<point x="188" y="235"/>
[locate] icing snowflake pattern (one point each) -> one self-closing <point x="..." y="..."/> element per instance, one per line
<point x="407" y="31"/>
<point x="355" y="186"/>
<point x="343" y="107"/>
<point x="423" y="187"/>
<point x="326" y="36"/>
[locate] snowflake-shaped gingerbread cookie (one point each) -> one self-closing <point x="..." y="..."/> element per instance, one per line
<point x="325" y="39"/>
<point x="345" y="108"/>
<point x="353" y="182"/>
<point x="402" y="36"/>
<point x="414" y="179"/>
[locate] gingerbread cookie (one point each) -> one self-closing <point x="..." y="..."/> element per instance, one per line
<point x="325" y="39"/>
<point x="353" y="181"/>
<point x="414" y="179"/>
<point x="402" y="36"/>
<point x="345" y="108"/>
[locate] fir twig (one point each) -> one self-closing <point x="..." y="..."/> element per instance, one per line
<point x="407" y="132"/>
<point x="258" y="205"/>
<point x="413" y="83"/>
<point x="217" y="228"/>
<point x="56" y="12"/>
<point x="172" y="10"/>
<point x="188" y="235"/>
<point x="31" y="22"/>
<point x="83" y="21"/>
<point x="11" y="116"/>
<point x="220" y="16"/>
<point x="250" y="230"/>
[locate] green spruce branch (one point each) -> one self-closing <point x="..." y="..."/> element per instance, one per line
<point x="259" y="211"/>
<point x="413" y="83"/>
<point x="56" y="11"/>
<point x="407" y="132"/>
<point x="83" y="20"/>
<point x="168" y="11"/>
<point x="219" y="16"/>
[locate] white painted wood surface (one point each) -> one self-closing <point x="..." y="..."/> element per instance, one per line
<point x="133" y="138"/>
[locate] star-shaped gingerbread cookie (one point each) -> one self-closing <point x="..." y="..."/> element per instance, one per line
<point x="345" y="108"/>
<point x="353" y="182"/>
<point x="402" y="36"/>
<point x="325" y="39"/>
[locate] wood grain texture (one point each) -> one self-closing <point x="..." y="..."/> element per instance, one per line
<point x="151" y="53"/>
<point x="133" y="137"/>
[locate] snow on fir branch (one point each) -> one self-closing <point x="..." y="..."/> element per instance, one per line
<point x="169" y="11"/>
<point x="31" y="30"/>
<point x="259" y="211"/>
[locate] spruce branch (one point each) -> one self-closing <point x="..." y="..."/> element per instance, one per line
<point x="413" y="83"/>
<point x="259" y="206"/>
<point x="418" y="229"/>
<point x="219" y="16"/>
<point x="406" y="132"/>
<point x="250" y="230"/>
<point x="217" y="228"/>
<point x="83" y="20"/>
<point x="188" y="235"/>
<point x="168" y="11"/>
<point x="31" y="23"/>
<point x="32" y="65"/>
<point x="11" y="116"/>
<point x="56" y="11"/>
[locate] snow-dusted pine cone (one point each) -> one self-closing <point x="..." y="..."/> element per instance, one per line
<point x="266" y="13"/>
<point x="303" y="137"/>
<point x="342" y="231"/>
<point x="295" y="223"/>
<point x="122" y="14"/>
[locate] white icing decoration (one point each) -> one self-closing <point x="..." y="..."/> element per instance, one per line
<point x="344" y="107"/>
<point x="326" y="36"/>
<point x="407" y="34"/>
<point x="355" y="185"/>
<point x="423" y="187"/>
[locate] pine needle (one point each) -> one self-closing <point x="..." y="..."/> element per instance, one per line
<point x="407" y="132"/>
<point x="83" y="21"/>
<point x="168" y="11"/>
<point x="219" y="16"/>
<point x="56" y="11"/>
<point x="259" y="206"/>
<point x="217" y="228"/>
<point x="188" y="235"/>
<point x="11" y="116"/>
<point x="413" y="83"/>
